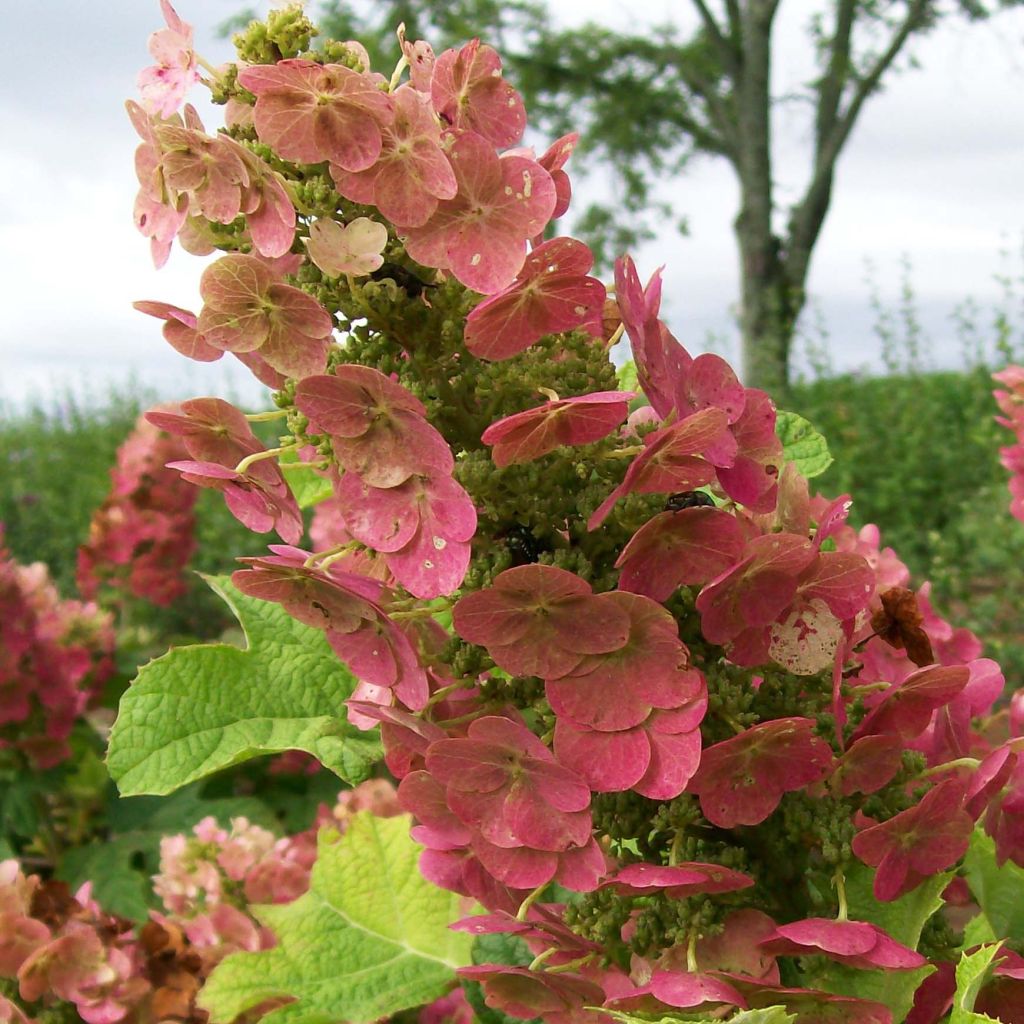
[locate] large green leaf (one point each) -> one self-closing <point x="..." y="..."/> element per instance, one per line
<point x="802" y="444"/>
<point x="971" y="974"/>
<point x="903" y="919"/>
<point x="199" y="709"/>
<point x="998" y="890"/>
<point x="369" y="939"/>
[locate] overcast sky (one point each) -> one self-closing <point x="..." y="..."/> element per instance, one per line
<point x="934" y="171"/>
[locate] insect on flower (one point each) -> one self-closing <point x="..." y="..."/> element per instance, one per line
<point x="689" y="499"/>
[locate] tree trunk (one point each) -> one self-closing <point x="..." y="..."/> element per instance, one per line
<point x="766" y="320"/>
<point x="768" y="313"/>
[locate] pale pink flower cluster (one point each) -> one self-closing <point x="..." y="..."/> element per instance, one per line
<point x="55" y="656"/>
<point x="163" y="85"/>
<point x="59" y="946"/>
<point x="1011" y="404"/>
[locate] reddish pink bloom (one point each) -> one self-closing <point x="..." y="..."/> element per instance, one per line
<point x="502" y="781"/>
<point x="923" y="840"/>
<point x="869" y="764"/>
<point x="734" y="950"/>
<point x="254" y="501"/>
<point x="480" y="235"/>
<point x="181" y="331"/>
<point x="412" y="172"/>
<point x="673" y="549"/>
<point x="163" y="86"/>
<point x="1004" y="817"/>
<point x="378" y="429"/>
<point x="308" y="112"/>
<point x="142" y="536"/>
<point x="741" y="780"/>
<point x="679" y="881"/>
<point x="660" y="359"/>
<point x="354" y="248"/>
<point x="553" y="161"/>
<point x="754" y="592"/>
<point x="55" y="657"/>
<point x="752" y="477"/>
<point x="424" y="526"/>
<point x="540" y="620"/>
<point x="518" y="992"/>
<point x="907" y="708"/>
<point x="810" y="1006"/>
<point x="569" y="421"/>
<point x="349" y="609"/>
<point x="246" y="309"/>
<point x="856" y="943"/>
<point x="680" y="990"/>
<point x="450" y="1009"/>
<point x="671" y="460"/>
<point x="618" y="689"/>
<point x="656" y="758"/>
<point x="551" y="293"/>
<point x="213" y="430"/>
<point x="467" y="90"/>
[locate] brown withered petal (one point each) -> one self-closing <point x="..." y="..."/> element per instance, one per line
<point x="52" y="903"/>
<point x="611" y="319"/>
<point x="175" y="1001"/>
<point x="899" y="623"/>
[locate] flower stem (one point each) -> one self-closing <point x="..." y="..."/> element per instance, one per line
<point x="960" y="762"/>
<point x="691" y="949"/>
<point x="269" y="453"/>
<point x="839" y="880"/>
<point x="263" y="417"/>
<point x="445" y="691"/>
<point x="571" y="965"/>
<point x="541" y="957"/>
<point x="524" y="907"/>
<point x="623" y="453"/>
<point x="420" y="613"/>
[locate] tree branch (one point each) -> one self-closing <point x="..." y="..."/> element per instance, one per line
<point x="833" y="81"/>
<point x="809" y="215"/>
<point x="723" y="44"/>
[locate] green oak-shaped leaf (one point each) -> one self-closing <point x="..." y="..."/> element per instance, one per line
<point x="802" y="444"/>
<point x="972" y="972"/>
<point x="199" y="709"/>
<point x="998" y="890"/>
<point x="369" y="939"/>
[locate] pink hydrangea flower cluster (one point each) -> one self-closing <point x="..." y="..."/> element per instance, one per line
<point x="141" y="537"/>
<point x="1010" y="399"/>
<point x="687" y="686"/>
<point x="60" y="947"/>
<point x="55" y="656"/>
